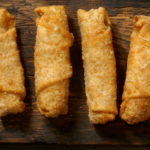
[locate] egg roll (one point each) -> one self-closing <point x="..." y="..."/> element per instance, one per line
<point x="136" y="95"/>
<point x="52" y="60"/>
<point x="12" y="90"/>
<point x="99" y="64"/>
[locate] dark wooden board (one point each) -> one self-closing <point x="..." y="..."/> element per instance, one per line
<point x="73" y="128"/>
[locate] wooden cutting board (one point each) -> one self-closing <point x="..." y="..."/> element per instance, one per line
<point x="73" y="128"/>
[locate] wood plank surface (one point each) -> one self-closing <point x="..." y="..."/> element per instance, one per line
<point x="75" y="127"/>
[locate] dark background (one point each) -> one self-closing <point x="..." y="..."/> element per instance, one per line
<point x="65" y="147"/>
<point x="75" y="127"/>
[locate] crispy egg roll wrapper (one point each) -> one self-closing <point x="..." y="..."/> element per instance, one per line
<point x="99" y="65"/>
<point x="12" y="90"/>
<point x="52" y="60"/>
<point x="136" y="96"/>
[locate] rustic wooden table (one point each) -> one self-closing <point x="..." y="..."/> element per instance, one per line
<point x="65" y="147"/>
<point x="73" y="128"/>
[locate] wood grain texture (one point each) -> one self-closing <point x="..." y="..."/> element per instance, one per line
<point x="65" y="147"/>
<point x="75" y="127"/>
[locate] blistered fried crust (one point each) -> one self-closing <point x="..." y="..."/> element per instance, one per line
<point x="135" y="110"/>
<point x="12" y="90"/>
<point x="136" y="93"/>
<point x="52" y="60"/>
<point x="99" y="64"/>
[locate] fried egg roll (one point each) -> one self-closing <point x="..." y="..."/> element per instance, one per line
<point x="99" y="64"/>
<point x="12" y="90"/>
<point x="52" y="60"/>
<point x="136" y="96"/>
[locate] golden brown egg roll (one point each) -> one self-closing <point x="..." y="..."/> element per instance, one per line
<point x="99" y="64"/>
<point x="136" y="96"/>
<point x="12" y="90"/>
<point x="52" y="60"/>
